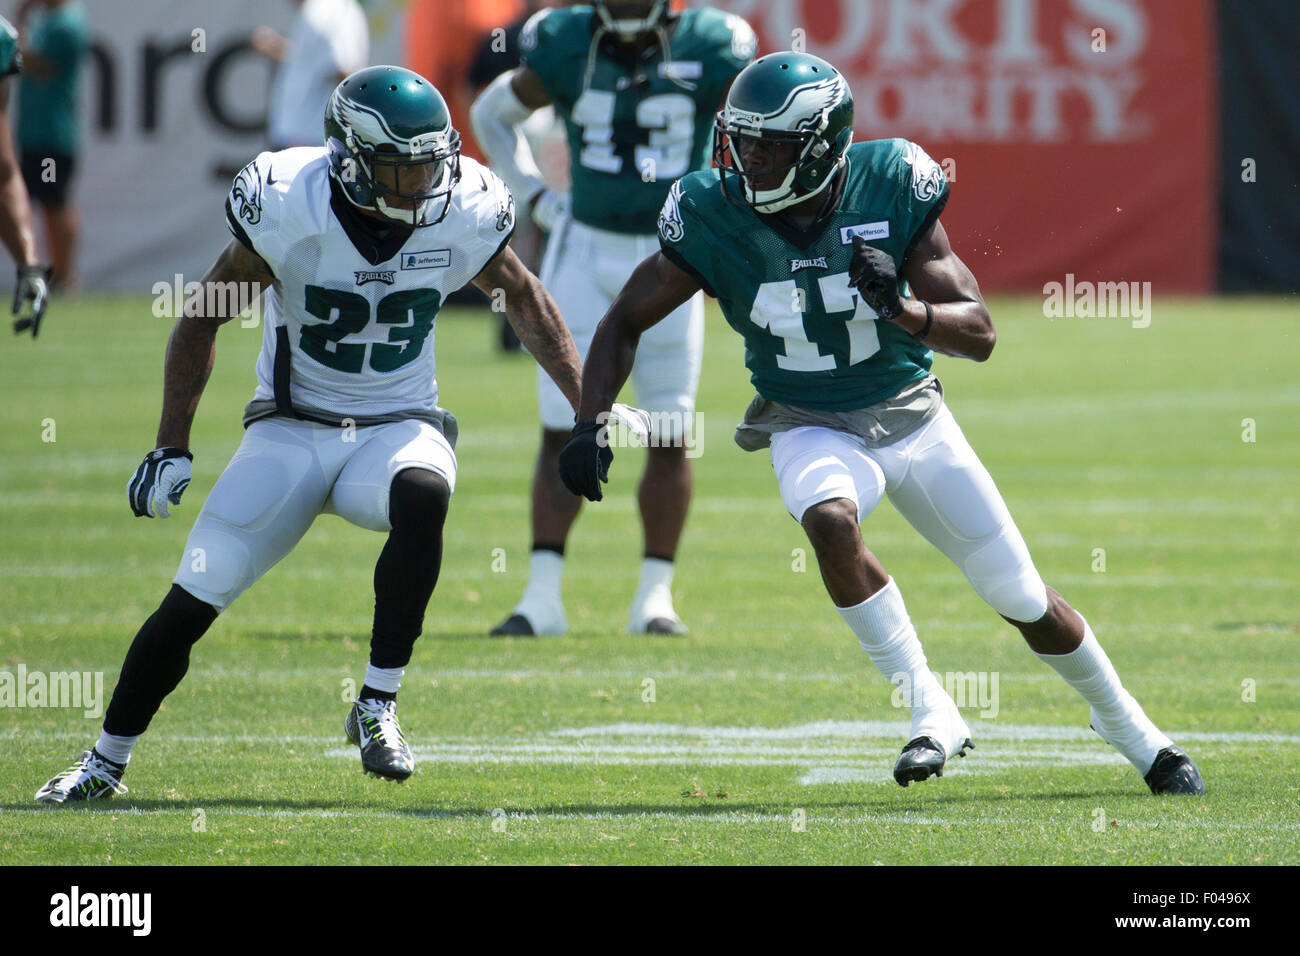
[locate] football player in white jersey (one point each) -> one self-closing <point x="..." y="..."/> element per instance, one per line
<point x="358" y="241"/>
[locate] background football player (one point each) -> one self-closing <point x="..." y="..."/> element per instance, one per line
<point x="345" y="419"/>
<point x="809" y="244"/>
<point x="637" y="87"/>
<point x="16" y="230"/>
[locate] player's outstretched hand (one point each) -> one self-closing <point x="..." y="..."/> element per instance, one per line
<point x="873" y="274"/>
<point x="162" y="477"/>
<point x="32" y="286"/>
<point x="585" y="460"/>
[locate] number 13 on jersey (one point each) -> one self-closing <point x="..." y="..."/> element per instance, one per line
<point x="669" y="118"/>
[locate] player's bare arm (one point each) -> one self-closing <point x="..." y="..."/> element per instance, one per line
<point x="533" y="315"/>
<point x="16" y="230"/>
<point x="962" y="326"/>
<point x="655" y="288"/>
<point x="191" y="349"/>
<point x="957" y="322"/>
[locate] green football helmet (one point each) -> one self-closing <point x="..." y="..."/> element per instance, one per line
<point x="785" y="98"/>
<point x="392" y="148"/>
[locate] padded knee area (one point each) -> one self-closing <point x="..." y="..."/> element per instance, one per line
<point x="418" y="501"/>
<point x="1003" y="574"/>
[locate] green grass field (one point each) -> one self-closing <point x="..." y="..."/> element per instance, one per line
<point x="770" y="737"/>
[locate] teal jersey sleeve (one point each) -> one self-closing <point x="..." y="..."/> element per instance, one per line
<point x="11" y="61"/>
<point x="554" y="44"/>
<point x="729" y="44"/>
<point x="922" y="191"/>
<point x="686" y="235"/>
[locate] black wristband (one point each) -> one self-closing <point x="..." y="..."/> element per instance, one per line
<point x="929" y="321"/>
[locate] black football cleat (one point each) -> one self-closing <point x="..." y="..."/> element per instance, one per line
<point x="665" y="626"/>
<point x="90" y="778"/>
<point x="1174" y="772"/>
<point x="372" y="725"/>
<point x="922" y="758"/>
<point x="516" y="625"/>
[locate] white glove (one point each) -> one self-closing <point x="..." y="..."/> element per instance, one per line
<point x="548" y="207"/>
<point x="635" y="420"/>
<point x="163" y="476"/>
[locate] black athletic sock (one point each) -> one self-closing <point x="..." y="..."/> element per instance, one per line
<point x="157" y="660"/>
<point x="369" y="693"/>
<point x="408" y="566"/>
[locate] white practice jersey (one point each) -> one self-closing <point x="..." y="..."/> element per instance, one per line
<point x="360" y="333"/>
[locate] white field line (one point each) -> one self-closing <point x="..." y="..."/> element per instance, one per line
<point x="829" y="737"/>
<point x="706" y="815"/>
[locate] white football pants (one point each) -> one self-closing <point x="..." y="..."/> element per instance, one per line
<point x="937" y="482"/>
<point x="283" y="475"/>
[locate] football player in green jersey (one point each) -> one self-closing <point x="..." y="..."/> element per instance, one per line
<point x="637" y="88"/>
<point x="829" y="259"/>
<point x="16" y="231"/>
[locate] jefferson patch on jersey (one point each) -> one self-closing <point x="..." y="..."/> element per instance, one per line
<point x="810" y="340"/>
<point x="360" y="332"/>
<point x="634" y="128"/>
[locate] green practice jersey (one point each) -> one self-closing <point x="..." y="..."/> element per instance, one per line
<point x="11" y="61"/>
<point x="633" y="128"/>
<point x="810" y="340"/>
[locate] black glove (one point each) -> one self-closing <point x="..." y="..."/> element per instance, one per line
<point x="32" y="286"/>
<point x="585" y="460"/>
<point x="872" y="272"/>
<point x="163" y="476"/>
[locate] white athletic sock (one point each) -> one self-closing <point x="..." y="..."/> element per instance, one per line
<point x="387" y="679"/>
<point x="885" y="632"/>
<point x="654" y="593"/>
<point x="115" y="748"/>
<point x="542" y="602"/>
<point x="1114" y="713"/>
<point x="545" y="575"/>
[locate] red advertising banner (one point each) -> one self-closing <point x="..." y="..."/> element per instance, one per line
<point x="1080" y="136"/>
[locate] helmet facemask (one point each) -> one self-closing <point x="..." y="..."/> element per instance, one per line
<point x="413" y="189"/>
<point x="801" y="179"/>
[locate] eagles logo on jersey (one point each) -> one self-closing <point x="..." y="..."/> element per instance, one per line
<point x="928" y="178"/>
<point x="247" y="192"/>
<point x="670" y="219"/>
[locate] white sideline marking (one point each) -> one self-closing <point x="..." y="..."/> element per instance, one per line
<point x="815" y="735"/>
<point x="706" y="814"/>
